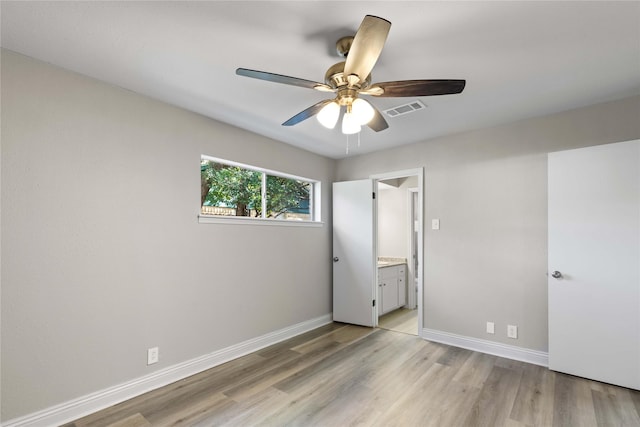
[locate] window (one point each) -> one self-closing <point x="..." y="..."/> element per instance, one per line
<point x="230" y="189"/>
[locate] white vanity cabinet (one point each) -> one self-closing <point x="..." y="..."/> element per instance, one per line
<point x="392" y="287"/>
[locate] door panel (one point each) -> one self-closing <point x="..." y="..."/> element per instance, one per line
<point x="354" y="266"/>
<point x="594" y="242"/>
<point x="389" y="294"/>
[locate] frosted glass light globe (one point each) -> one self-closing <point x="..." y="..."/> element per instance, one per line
<point x="350" y="124"/>
<point x="362" y="110"/>
<point x="328" y="115"/>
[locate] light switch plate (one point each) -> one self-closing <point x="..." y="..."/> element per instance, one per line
<point x="435" y="224"/>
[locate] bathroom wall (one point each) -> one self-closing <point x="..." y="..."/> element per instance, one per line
<point x="393" y="222"/>
<point x="393" y="216"/>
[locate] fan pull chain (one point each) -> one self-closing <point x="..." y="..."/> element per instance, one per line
<point x="347" y="144"/>
<point x="358" y="139"/>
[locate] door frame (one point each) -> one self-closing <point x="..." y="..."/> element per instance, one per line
<point x="419" y="173"/>
<point x="412" y="301"/>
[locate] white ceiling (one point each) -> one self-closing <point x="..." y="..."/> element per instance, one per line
<point x="520" y="59"/>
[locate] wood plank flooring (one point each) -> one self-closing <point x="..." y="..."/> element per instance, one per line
<point x="344" y="375"/>
<point x="400" y="320"/>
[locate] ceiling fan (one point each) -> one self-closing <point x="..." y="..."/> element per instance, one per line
<point x="351" y="78"/>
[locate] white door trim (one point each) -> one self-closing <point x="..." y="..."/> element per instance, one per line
<point x="419" y="172"/>
<point x="412" y="297"/>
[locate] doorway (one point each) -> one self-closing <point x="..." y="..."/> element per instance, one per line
<point x="398" y="250"/>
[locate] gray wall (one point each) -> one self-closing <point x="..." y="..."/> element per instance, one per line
<point x="488" y="261"/>
<point x="102" y="253"/>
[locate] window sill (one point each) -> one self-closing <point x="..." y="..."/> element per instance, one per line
<point x="204" y="219"/>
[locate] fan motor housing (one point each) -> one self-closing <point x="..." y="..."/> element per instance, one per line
<point x="346" y="96"/>
<point x="336" y="78"/>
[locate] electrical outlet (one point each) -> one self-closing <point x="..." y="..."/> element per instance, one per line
<point x="153" y="355"/>
<point x="491" y="328"/>
<point x="512" y="331"/>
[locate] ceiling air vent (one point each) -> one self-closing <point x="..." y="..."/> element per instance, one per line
<point x="405" y="109"/>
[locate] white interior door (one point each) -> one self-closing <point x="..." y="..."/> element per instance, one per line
<point x="594" y="243"/>
<point x="354" y="266"/>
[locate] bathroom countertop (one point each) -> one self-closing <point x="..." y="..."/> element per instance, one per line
<point x="390" y="261"/>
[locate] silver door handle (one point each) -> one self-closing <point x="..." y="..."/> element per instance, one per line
<point x="336" y="259"/>
<point x="556" y="275"/>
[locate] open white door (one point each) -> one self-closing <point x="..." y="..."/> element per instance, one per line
<point x="594" y="263"/>
<point x="354" y="266"/>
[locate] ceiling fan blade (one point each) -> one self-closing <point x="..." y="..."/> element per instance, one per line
<point x="415" y="88"/>
<point x="367" y="46"/>
<point x="287" y="80"/>
<point x="378" y="122"/>
<point x="305" y="114"/>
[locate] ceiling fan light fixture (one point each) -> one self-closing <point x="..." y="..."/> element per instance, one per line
<point x="345" y="79"/>
<point x="362" y="110"/>
<point x="350" y="124"/>
<point x="329" y="114"/>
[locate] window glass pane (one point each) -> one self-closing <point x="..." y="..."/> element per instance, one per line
<point x="229" y="190"/>
<point x="288" y="198"/>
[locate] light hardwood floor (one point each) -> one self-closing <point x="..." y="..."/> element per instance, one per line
<point x="343" y="375"/>
<point x="401" y="320"/>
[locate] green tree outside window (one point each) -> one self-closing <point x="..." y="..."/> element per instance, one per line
<point x="239" y="191"/>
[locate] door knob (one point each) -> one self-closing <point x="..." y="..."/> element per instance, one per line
<point x="556" y="275"/>
<point x="336" y="259"/>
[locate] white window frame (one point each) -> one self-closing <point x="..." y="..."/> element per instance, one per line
<point x="314" y="200"/>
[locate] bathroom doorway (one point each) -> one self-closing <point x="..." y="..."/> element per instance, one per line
<point x="399" y="250"/>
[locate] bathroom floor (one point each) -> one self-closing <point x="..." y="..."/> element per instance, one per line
<point x="401" y="320"/>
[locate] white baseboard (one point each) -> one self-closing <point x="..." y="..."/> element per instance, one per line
<point x="94" y="402"/>
<point x="497" y="349"/>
